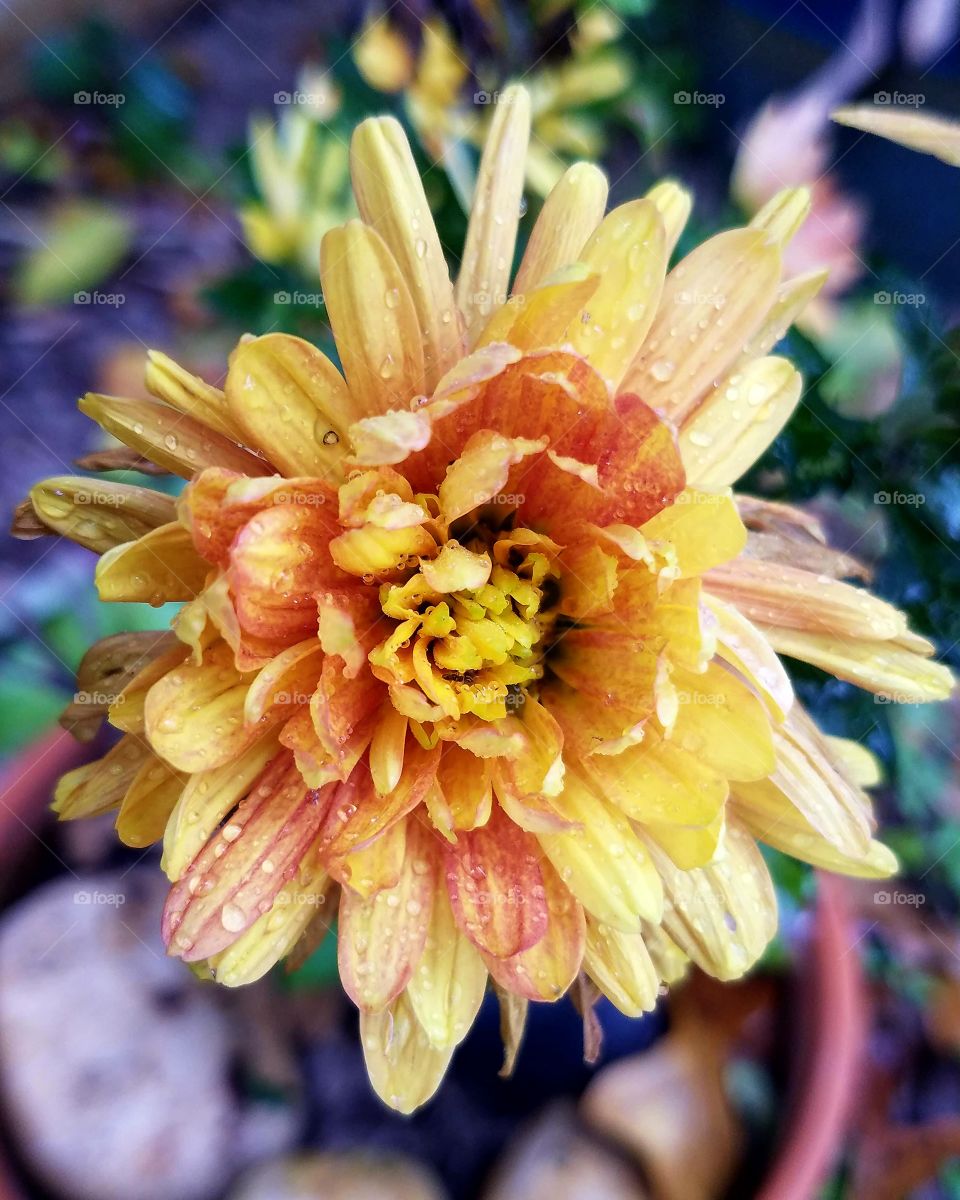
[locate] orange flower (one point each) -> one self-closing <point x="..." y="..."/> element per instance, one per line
<point x="475" y="635"/>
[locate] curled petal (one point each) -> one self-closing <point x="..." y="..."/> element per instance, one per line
<point x="569" y="216"/>
<point x="148" y="803"/>
<point x="99" y="786"/>
<point x="98" y="514"/>
<point x="724" y="914"/>
<point x="373" y="318"/>
<point x="620" y="966"/>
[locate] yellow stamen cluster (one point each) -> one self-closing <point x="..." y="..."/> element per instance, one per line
<point x="472" y="627"/>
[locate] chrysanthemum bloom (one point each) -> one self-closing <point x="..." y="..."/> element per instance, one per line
<point x="475" y="635"/>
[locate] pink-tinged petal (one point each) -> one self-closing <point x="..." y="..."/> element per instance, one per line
<point x="236" y="876"/>
<point x="344" y="713"/>
<point x="380" y="938"/>
<point x="358" y="814"/>
<point x="547" y="969"/>
<point x="496" y="886"/>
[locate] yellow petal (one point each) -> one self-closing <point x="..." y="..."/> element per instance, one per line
<point x="448" y="983"/>
<point x="373" y="319"/>
<point x="207" y="798"/>
<point x="126" y="709"/>
<point x="172" y="440"/>
<point x="380" y="938"/>
<point x="484" y="280"/>
<point x="149" y="801"/>
<point x="161" y="566"/>
<point x="404" y="1068"/>
<point x="713" y="301"/>
<point x="618" y="963"/>
<point x="673" y="204"/>
<point x="744" y="647"/>
<point x="456" y="569"/>
<point x="100" y="786"/>
<point x="704" y="528"/>
<point x="629" y="253"/>
<point x="936" y="135"/>
<point x="570" y="214"/>
<point x="722" y="915"/>
<point x="272" y="936"/>
<point x="540" y="317"/>
<point x="723" y="723"/>
<point x="389" y="438"/>
<point x="860" y="765"/>
<point x="689" y="846"/>
<point x="386" y="749"/>
<point x="603" y="863"/>
<point x="292" y="403"/>
<point x="738" y="420"/>
<point x="482" y="470"/>
<point x="783" y="214"/>
<point x="98" y="514"/>
<point x="792" y="298"/>
<point x="194" y="714"/>
<point x="896" y="674"/>
<point x="390" y="197"/>
<point x="799" y="839"/>
<point x="170" y="382"/>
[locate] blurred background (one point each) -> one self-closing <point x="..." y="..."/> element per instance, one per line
<point x="167" y="170"/>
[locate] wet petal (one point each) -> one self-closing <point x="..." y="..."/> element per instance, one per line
<point x="404" y="1068"/>
<point x="159" y="567"/>
<point x="99" y="786"/>
<point x="148" y="803"/>
<point x="618" y="963"/>
<point x="380" y="938"/>
<point x="98" y="514"/>
<point x="496" y="886"/>
<point x="292" y="403"/>
<point x="373" y="319"/>
<point x="170" y="382"/>
<point x="569" y="216"/>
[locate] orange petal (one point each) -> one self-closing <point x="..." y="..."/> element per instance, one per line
<point x="236" y="876"/>
<point x="496" y="886"/>
<point x="380" y="939"/>
<point x="465" y="784"/>
<point x="547" y="969"/>
<point x="288" y="680"/>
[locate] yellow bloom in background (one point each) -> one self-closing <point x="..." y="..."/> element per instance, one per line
<point x="301" y="173"/>
<point x="927" y="133"/>
<point x="447" y="111"/>
<point x="478" y="649"/>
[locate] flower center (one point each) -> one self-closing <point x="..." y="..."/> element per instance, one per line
<point x="473" y="625"/>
